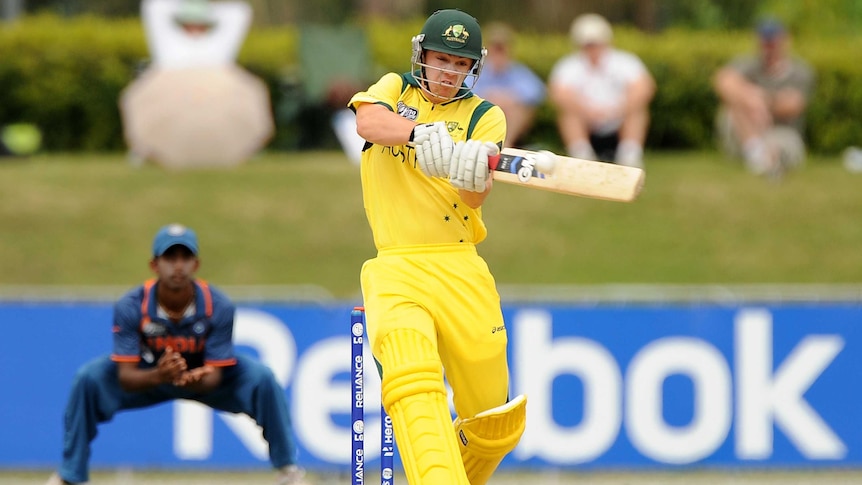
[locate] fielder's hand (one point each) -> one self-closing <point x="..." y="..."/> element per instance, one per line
<point x="469" y="168"/>
<point x="171" y="365"/>
<point x="192" y="376"/>
<point x="433" y="148"/>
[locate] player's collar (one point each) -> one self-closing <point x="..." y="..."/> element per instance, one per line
<point x="202" y="303"/>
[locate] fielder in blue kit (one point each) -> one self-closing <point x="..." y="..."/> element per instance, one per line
<point x="173" y="340"/>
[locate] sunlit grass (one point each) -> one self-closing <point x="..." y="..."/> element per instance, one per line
<point x="297" y="218"/>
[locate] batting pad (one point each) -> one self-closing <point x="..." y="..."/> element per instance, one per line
<point x="486" y="438"/>
<point x="415" y="398"/>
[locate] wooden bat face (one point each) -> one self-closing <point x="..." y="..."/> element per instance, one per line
<point x="572" y="176"/>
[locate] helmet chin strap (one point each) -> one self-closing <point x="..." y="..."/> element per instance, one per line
<point x="426" y="83"/>
<point x="418" y="69"/>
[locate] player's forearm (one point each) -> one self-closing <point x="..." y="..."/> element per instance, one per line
<point x="380" y="126"/>
<point x="207" y="384"/>
<point x="474" y="200"/>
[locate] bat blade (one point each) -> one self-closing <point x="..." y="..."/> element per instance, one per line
<point x="571" y="176"/>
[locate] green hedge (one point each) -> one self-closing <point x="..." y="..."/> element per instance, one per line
<point x="65" y="75"/>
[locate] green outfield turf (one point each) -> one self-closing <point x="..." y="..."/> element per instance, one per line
<point x="297" y="219"/>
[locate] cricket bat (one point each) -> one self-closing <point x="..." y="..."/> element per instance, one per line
<point x="566" y="175"/>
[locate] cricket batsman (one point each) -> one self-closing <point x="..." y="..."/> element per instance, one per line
<point x="430" y="300"/>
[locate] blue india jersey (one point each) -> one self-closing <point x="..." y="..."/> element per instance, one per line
<point x="205" y="337"/>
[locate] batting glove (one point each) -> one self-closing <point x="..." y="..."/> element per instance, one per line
<point x="469" y="168"/>
<point x="433" y="148"/>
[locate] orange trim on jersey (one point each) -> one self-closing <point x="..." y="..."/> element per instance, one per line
<point x="221" y="363"/>
<point x="208" y="297"/>
<point x="145" y="302"/>
<point x="125" y="358"/>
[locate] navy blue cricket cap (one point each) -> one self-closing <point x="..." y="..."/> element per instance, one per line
<point x="770" y="28"/>
<point x="173" y="235"/>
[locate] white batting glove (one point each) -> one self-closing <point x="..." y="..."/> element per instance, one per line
<point x="434" y="148"/>
<point x="469" y="168"/>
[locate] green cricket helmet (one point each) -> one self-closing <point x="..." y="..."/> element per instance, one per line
<point x="452" y="32"/>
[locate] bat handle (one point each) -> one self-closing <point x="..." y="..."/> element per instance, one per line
<point x="493" y="161"/>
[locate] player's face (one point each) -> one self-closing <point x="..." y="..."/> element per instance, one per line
<point x="445" y="73"/>
<point x="176" y="268"/>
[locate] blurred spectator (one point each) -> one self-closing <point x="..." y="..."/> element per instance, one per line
<point x="509" y="84"/>
<point x="195" y="33"/>
<point x="763" y="102"/>
<point x="602" y="95"/>
<point x="193" y="106"/>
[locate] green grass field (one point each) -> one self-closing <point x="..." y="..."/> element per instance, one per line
<point x="297" y="219"/>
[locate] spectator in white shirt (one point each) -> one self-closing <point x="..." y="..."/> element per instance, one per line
<point x="602" y="96"/>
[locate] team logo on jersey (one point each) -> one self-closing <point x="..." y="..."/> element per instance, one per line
<point x="199" y="328"/>
<point x="456" y="34"/>
<point x="408" y="112"/>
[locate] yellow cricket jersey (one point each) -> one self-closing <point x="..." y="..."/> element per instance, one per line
<point x="405" y="207"/>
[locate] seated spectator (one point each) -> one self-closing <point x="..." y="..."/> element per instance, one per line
<point x="602" y="95"/>
<point x="763" y="102"/>
<point x="193" y="106"/>
<point x="509" y="84"/>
